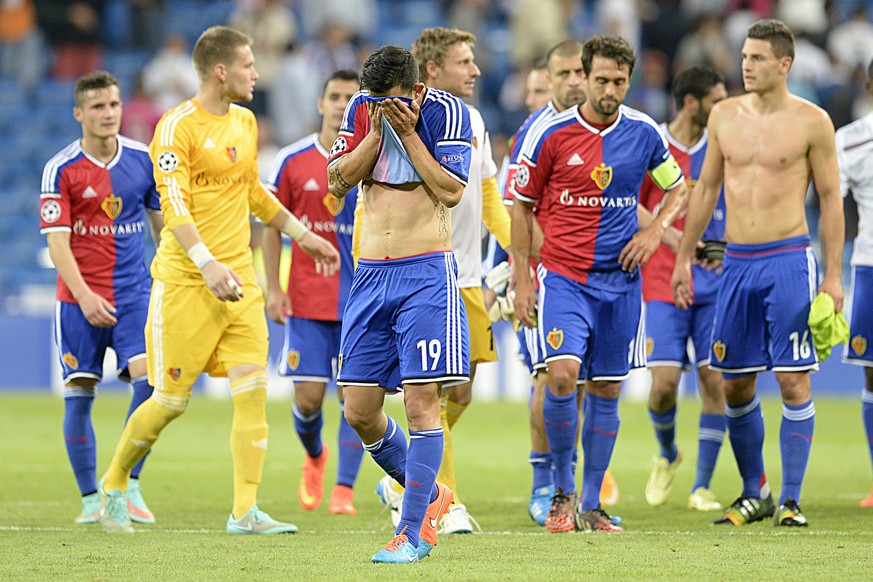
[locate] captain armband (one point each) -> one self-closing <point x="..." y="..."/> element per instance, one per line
<point x="294" y="228"/>
<point x="200" y="255"/>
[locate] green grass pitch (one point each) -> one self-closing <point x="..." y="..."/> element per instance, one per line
<point x="187" y="482"/>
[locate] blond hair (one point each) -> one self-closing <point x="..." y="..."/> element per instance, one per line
<point x="433" y="44"/>
<point x="217" y="45"/>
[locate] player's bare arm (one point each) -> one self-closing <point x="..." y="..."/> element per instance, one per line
<point x="347" y="171"/>
<point x="440" y="185"/>
<point x="522" y="238"/>
<point x="97" y="310"/>
<point x="825" y="174"/>
<point x="224" y="283"/>
<point x="701" y="204"/>
<point x="327" y="258"/>
<point x="278" y="302"/>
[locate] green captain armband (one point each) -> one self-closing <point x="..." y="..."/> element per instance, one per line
<point x="667" y="174"/>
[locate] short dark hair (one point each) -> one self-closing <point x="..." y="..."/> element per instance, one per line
<point x="565" y="48"/>
<point x="775" y="32"/>
<point x="341" y="75"/>
<point x="389" y="66"/>
<point x="91" y="82"/>
<point x="610" y="47"/>
<point x="696" y="81"/>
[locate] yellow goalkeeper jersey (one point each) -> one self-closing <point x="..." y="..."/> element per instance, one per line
<point x="206" y="170"/>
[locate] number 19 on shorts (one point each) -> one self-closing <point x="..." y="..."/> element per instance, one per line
<point x="430" y="352"/>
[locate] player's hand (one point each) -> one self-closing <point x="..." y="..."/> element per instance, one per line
<point x="402" y="117"/>
<point x="374" y="109"/>
<point x="97" y="310"/>
<point x="525" y="303"/>
<point x="833" y="287"/>
<point x="278" y="305"/>
<point x="327" y="258"/>
<point x="222" y="281"/>
<point x="497" y="279"/>
<point x="681" y="283"/>
<point x="640" y="248"/>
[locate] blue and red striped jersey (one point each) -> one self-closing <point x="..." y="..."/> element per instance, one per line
<point x="103" y="207"/>
<point x="659" y="270"/>
<point x="591" y="177"/>
<point x="299" y="181"/>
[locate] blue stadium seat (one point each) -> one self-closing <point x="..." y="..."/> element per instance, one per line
<point x="52" y="92"/>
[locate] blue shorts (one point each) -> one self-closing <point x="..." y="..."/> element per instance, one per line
<point x="860" y="350"/>
<point x="405" y="323"/>
<point x="82" y="347"/>
<point x="668" y="330"/>
<point x="762" y="309"/>
<point x="311" y="349"/>
<point x="600" y="329"/>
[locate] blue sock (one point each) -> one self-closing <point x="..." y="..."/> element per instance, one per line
<point x="141" y="392"/>
<point x="562" y="419"/>
<point x="80" y="441"/>
<point x="665" y="431"/>
<point x="795" y="441"/>
<point x="389" y="452"/>
<point x="867" y="414"/>
<point x="542" y="469"/>
<point x="745" y="425"/>
<point x="598" y="440"/>
<point x="422" y="464"/>
<point x="351" y="451"/>
<point x="308" y="428"/>
<point x="709" y="440"/>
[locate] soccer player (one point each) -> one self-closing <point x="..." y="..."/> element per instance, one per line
<point x="855" y="156"/>
<point x="206" y="311"/>
<point x="95" y="194"/>
<point x="404" y="323"/>
<point x="446" y="62"/>
<point x="588" y="164"/>
<point x="312" y="307"/>
<point x="668" y="328"/>
<point x="765" y="146"/>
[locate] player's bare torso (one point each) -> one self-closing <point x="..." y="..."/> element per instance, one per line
<point x="766" y="167"/>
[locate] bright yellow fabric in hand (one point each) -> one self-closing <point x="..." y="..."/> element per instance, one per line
<point x="828" y="328"/>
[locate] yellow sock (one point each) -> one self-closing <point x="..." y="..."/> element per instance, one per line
<point x="447" y="467"/>
<point x="454" y="412"/>
<point x="248" y="439"/>
<point x="140" y="432"/>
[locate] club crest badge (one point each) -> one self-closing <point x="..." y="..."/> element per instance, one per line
<point x="293" y="359"/>
<point x="175" y="373"/>
<point x="602" y="176"/>
<point x="859" y="345"/>
<point x="70" y="360"/>
<point x="555" y="338"/>
<point x="720" y="350"/>
<point x="333" y="204"/>
<point x="112" y="205"/>
<point x="650" y="346"/>
<point x="231" y="153"/>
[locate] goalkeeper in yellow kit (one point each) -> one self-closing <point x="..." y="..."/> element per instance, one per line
<point x="206" y="312"/>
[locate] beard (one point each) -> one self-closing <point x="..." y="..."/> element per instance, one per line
<point x="604" y="108"/>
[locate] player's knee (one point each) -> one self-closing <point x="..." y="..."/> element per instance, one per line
<point x="170" y="406"/>
<point x="795" y="387"/>
<point x="362" y="422"/>
<point x="868" y="373"/>
<point x="81" y="390"/>
<point x="562" y="381"/>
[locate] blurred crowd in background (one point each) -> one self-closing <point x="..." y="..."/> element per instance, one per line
<point x="45" y="45"/>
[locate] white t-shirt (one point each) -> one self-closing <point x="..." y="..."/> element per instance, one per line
<point x="855" y="157"/>
<point x="467" y="215"/>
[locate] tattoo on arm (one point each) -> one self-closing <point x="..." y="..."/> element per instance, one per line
<point x="338" y="179"/>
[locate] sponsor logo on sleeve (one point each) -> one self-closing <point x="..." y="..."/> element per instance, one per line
<point x="50" y="211"/>
<point x="339" y="145"/>
<point x="522" y="176"/>
<point x="168" y="161"/>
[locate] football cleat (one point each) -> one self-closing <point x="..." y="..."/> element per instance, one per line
<point x="113" y="511"/>
<point x="596" y="521"/>
<point x="90" y="509"/>
<point x="136" y="505"/>
<point x="311" y="489"/>
<point x="435" y="512"/>
<point x="458" y="521"/>
<point x="255" y="521"/>
<point x="868" y="502"/>
<point x="387" y="490"/>
<point x="539" y="504"/>
<point x="661" y="478"/>
<point x="746" y="510"/>
<point x="342" y="501"/>
<point x="560" y="518"/>
<point x="702" y="499"/>
<point x="398" y="551"/>
<point x="609" y="494"/>
<point x="789" y="515"/>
